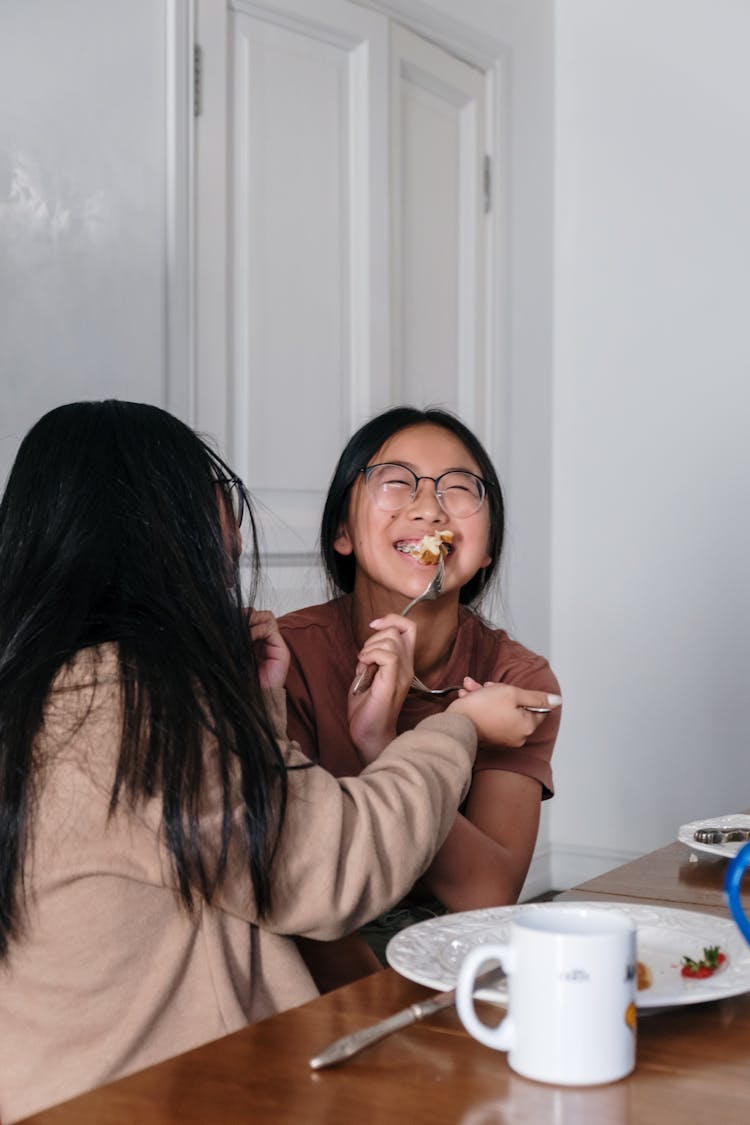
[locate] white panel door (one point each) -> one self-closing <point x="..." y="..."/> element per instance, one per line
<point x="315" y="121"/>
<point x="307" y="297"/>
<point x="440" y="227"/>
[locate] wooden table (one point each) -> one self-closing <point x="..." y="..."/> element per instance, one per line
<point x="673" y="876"/>
<point x="692" y="1064"/>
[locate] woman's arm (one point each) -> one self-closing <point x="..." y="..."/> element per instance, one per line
<point x="350" y="847"/>
<point x="486" y="855"/>
<point x="487" y="852"/>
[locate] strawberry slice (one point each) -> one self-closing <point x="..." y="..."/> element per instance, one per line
<point x="712" y="960"/>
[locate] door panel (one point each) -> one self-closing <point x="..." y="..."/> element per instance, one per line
<point x="298" y="229"/>
<point x="439" y="224"/>
<point x="292" y="290"/>
<point x="291" y="329"/>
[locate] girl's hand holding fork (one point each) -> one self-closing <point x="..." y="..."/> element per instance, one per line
<point x="373" y="713"/>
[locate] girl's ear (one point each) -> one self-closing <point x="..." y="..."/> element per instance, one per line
<point x="486" y="562"/>
<point x="342" y="544"/>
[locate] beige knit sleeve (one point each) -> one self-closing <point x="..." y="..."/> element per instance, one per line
<point x="350" y="847"/>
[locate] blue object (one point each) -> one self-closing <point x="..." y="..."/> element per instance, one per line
<point x="732" y="881"/>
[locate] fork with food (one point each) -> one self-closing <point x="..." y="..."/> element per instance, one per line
<point x="430" y="550"/>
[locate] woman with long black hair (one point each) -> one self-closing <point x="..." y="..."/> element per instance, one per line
<point x="160" y="839"/>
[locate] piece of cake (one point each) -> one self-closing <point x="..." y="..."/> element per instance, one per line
<point x="429" y="548"/>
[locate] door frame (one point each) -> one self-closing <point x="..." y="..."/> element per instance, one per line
<point x="179" y="211"/>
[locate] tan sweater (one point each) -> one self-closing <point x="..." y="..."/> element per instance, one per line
<point x="112" y="974"/>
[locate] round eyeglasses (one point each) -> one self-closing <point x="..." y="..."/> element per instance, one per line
<point x="234" y="494"/>
<point x="391" y="486"/>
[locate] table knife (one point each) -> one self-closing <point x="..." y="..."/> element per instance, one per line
<point x="350" y="1045"/>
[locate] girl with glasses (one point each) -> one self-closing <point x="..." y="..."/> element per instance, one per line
<point x="160" y="837"/>
<point x="403" y="476"/>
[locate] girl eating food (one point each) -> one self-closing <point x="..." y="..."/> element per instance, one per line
<point x="410" y="486"/>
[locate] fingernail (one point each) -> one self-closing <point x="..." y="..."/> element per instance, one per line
<point x="554" y="700"/>
<point x="376" y="623"/>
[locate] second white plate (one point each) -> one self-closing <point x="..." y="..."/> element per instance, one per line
<point x="431" y="952"/>
<point x="686" y="832"/>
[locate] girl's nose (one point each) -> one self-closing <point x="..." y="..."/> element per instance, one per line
<point x="425" y="504"/>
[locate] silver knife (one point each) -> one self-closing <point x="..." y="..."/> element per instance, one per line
<point x="350" y="1045"/>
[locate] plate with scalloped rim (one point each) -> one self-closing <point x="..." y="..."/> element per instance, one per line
<point x="431" y="952"/>
<point x="726" y="851"/>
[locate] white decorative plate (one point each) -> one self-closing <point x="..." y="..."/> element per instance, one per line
<point x="727" y="851"/>
<point x="431" y="952"/>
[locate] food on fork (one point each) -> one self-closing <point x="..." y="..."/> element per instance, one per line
<point x="429" y="548"/>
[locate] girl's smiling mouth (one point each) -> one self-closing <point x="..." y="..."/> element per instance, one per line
<point x="429" y="548"/>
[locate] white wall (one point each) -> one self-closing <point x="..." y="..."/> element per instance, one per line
<point x="650" y="607"/>
<point x="82" y="206"/>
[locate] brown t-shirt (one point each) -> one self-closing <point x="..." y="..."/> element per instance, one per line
<point x="323" y="661"/>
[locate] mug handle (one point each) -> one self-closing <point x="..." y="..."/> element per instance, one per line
<point x="733" y="878"/>
<point x="502" y="1037"/>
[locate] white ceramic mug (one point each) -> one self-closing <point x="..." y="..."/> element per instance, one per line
<point x="571" y="994"/>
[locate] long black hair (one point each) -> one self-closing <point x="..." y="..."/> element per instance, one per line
<point x="112" y="531"/>
<point x="358" y="452"/>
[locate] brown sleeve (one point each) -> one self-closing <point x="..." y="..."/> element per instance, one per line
<point x="534" y="757"/>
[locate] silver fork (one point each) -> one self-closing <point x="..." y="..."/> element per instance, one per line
<point x="433" y="590"/>
<point x="423" y="689"/>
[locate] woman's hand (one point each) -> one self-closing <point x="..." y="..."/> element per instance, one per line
<point x="270" y="649"/>
<point x="499" y="713"/>
<point x="373" y="714"/>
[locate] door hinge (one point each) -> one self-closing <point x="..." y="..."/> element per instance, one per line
<point x="487" y="184"/>
<point x="197" y="80"/>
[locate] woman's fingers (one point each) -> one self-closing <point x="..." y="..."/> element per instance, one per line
<point x="262" y="623"/>
<point x="539" y="702"/>
<point x="501" y="712"/>
<point x="271" y="649"/>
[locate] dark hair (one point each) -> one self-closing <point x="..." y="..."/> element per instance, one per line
<point x="361" y="448"/>
<point x="111" y="531"/>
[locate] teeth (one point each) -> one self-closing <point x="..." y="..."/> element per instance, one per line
<point x="414" y="546"/>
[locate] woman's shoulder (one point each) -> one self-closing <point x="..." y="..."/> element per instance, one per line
<point x="510" y="661"/>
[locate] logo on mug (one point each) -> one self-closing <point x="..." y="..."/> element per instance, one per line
<point x="575" y="975"/>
